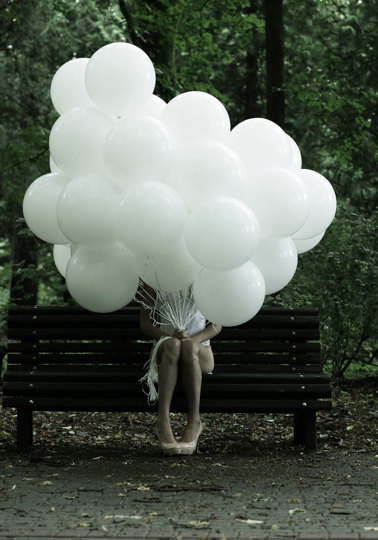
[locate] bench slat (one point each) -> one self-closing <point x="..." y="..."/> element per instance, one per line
<point x="125" y="347"/>
<point x="104" y="374"/>
<point x="123" y="333"/>
<point x="140" y="405"/>
<point x="221" y="358"/>
<point x="264" y="367"/>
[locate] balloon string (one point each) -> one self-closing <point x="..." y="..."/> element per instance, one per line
<point x="150" y="378"/>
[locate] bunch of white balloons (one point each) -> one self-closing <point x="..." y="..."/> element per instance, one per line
<point x="169" y="193"/>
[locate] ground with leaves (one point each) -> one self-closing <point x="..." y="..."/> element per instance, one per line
<point x="352" y="425"/>
<point x="101" y="474"/>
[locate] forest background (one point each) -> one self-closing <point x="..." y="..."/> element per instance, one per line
<point x="311" y="66"/>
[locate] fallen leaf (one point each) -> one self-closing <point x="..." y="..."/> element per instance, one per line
<point x="297" y="511"/>
<point x="237" y="495"/>
<point x="198" y="523"/>
<point x="251" y="521"/>
<point x="294" y="501"/>
<point x="47" y="483"/>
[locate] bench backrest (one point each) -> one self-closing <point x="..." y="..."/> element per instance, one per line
<point x="279" y="340"/>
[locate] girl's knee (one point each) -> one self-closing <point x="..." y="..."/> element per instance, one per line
<point x="189" y="350"/>
<point x="171" y="348"/>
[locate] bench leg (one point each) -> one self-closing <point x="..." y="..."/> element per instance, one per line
<point x="299" y="428"/>
<point x="24" y="429"/>
<point x="305" y="429"/>
<point x="310" y="431"/>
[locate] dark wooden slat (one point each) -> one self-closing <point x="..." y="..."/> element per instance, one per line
<point x="93" y="332"/>
<point x="124" y="320"/>
<point x="229" y="368"/>
<point x="140" y="404"/>
<point x="118" y="389"/>
<point x="264" y="346"/>
<point x="72" y="310"/>
<point x="78" y="332"/>
<point x="221" y="358"/>
<point x="116" y="372"/>
<point x="126" y="346"/>
<point x="72" y="358"/>
<point x="122" y="347"/>
<point x="268" y="317"/>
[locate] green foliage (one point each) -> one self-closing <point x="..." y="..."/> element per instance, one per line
<point x="331" y="91"/>
<point x="339" y="277"/>
<point x="200" y="49"/>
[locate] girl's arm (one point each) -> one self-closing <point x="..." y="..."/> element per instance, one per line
<point x="147" y="326"/>
<point x="210" y="331"/>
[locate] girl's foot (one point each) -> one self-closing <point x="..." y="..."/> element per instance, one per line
<point x="192" y="428"/>
<point x="188" y="448"/>
<point x="168" y="443"/>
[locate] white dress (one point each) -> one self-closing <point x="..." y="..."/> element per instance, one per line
<point x="192" y="321"/>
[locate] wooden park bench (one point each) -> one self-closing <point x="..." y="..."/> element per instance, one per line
<point x="69" y="359"/>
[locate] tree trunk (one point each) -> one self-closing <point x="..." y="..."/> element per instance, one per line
<point x="24" y="257"/>
<point x="252" y="89"/>
<point x="275" y="97"/>
<point x="155" y="37"/>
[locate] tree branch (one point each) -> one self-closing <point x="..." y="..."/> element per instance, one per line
<point x="126" y="10"/>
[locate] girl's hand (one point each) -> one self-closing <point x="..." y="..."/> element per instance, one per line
<point x="179" y="334"/>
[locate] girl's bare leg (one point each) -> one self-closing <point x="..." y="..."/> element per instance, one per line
<point x="168" y="373"/>
<point x="195" y="360"/>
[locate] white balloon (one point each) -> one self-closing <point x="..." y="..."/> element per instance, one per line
<point x="120" y="78"/>
<point x="277" y="259"/>
<point x="222" y="233"/>
<point x="102" y="278"/>
<point x="171" y="271"/>
<point x="151" y="218"/>
<point x="302" y="246"/>
<point x="62" y="254"/>
<point x="192" y="116"/>
<point x="261" y="143"/>
<point x="138" y="149"/>
<point x="229" y="298"/>
<point x="86" y="210"/>
<point x="68" y="88"/>
<point x="322" y="201"/>
<point x="154" y="107"/>
<point x="207" y="170"/>
<point x="279" y="200"/>
<point x="53" y="166"/>
<point x="77" y="140"/>
<point x="39" y="207"/>
<point x="296" y="158"/>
